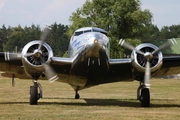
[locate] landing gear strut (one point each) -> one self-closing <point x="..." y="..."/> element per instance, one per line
<point x="34" y="94"/>
<point x="143" y="95"/>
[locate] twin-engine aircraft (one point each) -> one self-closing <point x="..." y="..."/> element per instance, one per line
<point x="89" y="63"/>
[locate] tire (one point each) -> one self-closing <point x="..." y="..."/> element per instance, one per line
<point x="145" y="97"/>
<point x="77" y="96"/>
<point x="33" y="95"/>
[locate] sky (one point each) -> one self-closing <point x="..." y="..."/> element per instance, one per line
<point x="47" y="12"/>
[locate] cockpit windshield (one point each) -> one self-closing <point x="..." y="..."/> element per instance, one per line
<point x="89" y="29"/>
<point x="100" y="32"/>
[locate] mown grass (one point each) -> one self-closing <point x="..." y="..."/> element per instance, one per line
<point x="113" y="101"/>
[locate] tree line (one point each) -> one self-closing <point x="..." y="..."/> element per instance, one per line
<point x="15" y="38"/>
<point x="120" y="18"/>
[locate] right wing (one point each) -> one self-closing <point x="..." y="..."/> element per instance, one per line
<point x="12" y="65"/>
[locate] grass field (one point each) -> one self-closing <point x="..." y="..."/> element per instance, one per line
<point x="116" y="101"/>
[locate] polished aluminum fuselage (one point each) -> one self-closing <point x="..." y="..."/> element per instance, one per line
<point x="91" y="53"/>
<point x="79" y="43"/>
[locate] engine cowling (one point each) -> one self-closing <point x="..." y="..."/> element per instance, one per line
<point x="33" y="63"/>
<point x="139" y="61"/>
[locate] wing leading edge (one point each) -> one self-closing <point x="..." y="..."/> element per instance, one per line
<point x="119" y="61"/>
<point x="62" y="61"/>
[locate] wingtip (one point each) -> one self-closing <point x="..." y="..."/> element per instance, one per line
<point x="121" y="41"/>
<point x="173" y="41"/>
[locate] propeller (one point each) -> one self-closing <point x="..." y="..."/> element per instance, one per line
<point x="148" y="56"/>
<point x="48" y="71"/>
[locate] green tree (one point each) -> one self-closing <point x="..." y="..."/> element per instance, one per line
<point x="165" y="31"/>
<point x="58" y="39"/>
<point x="120" y="18"/>
<point x="4" y="34"/>
<point x="21" y="36"/>
<point x="153" y="33"/>
<point x="172" y="31"/>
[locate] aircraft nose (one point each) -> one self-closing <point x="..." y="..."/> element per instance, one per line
<point x="95" y="41"/>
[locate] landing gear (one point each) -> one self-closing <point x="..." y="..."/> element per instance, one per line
<point x="34" y="95"/>
<point x="143" y="95"/>
<point x="77" y="96"/>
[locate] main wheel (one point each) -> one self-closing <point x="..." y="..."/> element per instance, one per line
<point x="145" y="97"/>
<point x="33" y="95"/>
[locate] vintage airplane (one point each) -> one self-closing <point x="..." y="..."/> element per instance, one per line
<point x="88" y="63"/>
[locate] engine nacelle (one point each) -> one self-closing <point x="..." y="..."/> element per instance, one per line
<point x="139" y="61"/>
<point x="33" y="64"/>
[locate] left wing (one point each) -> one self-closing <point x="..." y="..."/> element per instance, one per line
<point x="171" y="65"/>
<point x="125" y="69"/>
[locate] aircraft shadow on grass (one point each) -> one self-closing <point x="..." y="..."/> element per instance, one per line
<point x="102" y="102"/>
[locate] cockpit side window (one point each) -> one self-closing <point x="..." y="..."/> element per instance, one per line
<point x="100" y="32"/>
<point x="104" y="33"/>
<point x="78" y="33"/>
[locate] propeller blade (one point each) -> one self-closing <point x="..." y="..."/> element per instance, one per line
<point x="49" y="72"/>
<point x="43" y="36"/>
<point x="147" y="74"/>
<point x="129" y="46"/>
<point x="165" y="45"/>
<point x="12" y="56"/>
